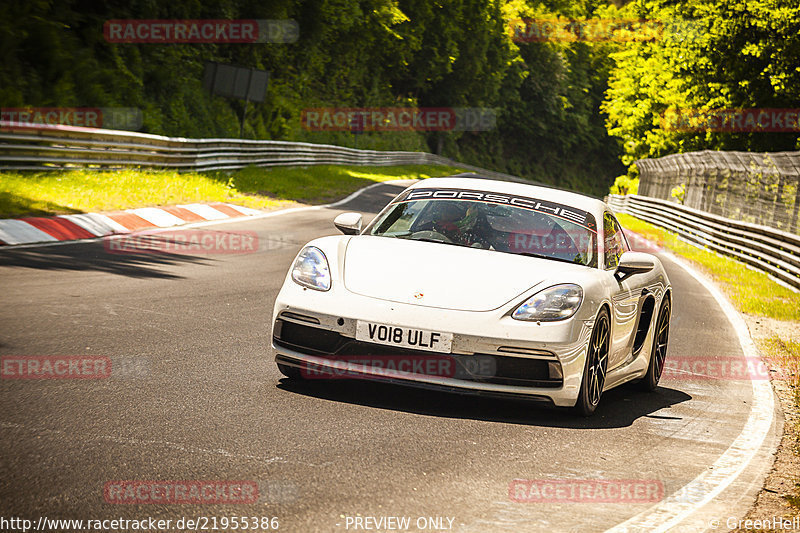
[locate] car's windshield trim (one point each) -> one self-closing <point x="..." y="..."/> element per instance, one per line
<point x="561" y="216"/>
<point x="547" y="207"/>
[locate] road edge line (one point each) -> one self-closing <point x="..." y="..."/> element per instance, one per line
<point x="727" y="468"/>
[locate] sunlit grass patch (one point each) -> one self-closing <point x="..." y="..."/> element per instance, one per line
<point x="323" y="183"/>
<point x="752" y="291"/>
<point x="80" y="191"/>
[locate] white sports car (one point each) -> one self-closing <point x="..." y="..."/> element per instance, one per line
<point x="478" y="286"/>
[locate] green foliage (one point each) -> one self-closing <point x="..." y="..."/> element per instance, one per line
<point x="679" y="192"/>
<point x="723" y="54"/>
<point x="572" y="114"/>
<point x="361" y="53"/>
<point x="625" y="184"/>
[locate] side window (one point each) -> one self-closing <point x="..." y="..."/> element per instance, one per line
<point x="626" y="247"/>
<point x="613" y="241"/>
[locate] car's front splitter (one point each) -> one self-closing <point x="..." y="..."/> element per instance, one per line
<point x="324" y="367"/>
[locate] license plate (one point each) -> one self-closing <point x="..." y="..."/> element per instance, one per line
<point x="416" y="339"/>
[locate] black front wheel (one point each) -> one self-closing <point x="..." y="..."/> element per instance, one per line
<point x="594" y="372"/>
<point x="659" y="352"/>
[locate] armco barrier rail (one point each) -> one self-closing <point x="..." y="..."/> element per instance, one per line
<point x="761" y="188"/>
<point x="46" y="147"/>
<point x="773" y="251"/>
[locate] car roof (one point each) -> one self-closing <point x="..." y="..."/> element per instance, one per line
<point x="474" y="181"/>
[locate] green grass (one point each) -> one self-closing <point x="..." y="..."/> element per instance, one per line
<point x="751" y="291"/>
<point x="786" y="354"/>
<point x="81" y="191"/>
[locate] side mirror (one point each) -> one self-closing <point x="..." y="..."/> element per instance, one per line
<point x="348" y="223"/>
<point x="631" y="263"/>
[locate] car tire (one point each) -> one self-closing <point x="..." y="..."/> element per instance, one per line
<point x="291" y="372"/>
<point x="658" y="354"/>
<point x="594" y="370"/>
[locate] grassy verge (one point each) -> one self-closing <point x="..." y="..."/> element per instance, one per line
<point x="80" y="191"/>
<point x="763" y="302"/>
<point x="751" y="291"/>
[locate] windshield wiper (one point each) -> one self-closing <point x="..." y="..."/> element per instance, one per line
<point x="406" y="234"/>
<point x="542" y="256"/>
<point x="425" y="239"/>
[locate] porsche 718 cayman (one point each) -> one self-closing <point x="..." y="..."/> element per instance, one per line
<point x="478" y="286"/>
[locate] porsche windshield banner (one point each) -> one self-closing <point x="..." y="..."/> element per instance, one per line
<point x="576" y="216"/>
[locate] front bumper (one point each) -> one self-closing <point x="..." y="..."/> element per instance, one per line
<point x="422" y="381"/>
<point x="549" y="356"/>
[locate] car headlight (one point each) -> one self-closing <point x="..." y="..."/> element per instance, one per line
<point x="311" y="269"/>
<point x="554" y="303"/>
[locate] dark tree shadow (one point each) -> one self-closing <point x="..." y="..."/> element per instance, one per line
<point x="95" y="256"/>
<point x="305" y="188"/>
<point x="12" y="206"/>
<point x="619" y="407"/>
<point x="373" y="200"/>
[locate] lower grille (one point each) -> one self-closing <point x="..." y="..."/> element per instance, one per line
<point x="307" y="339"/>
<point x="484" y="368"/>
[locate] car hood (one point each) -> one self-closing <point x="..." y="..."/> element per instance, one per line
<point x="441" y="275"/>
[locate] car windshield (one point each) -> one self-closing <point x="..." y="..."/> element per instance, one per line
<point x="490" y="221"/>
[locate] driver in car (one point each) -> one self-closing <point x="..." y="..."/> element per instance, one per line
<point x="460" y="225"/>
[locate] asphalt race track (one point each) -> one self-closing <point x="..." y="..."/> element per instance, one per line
<point x="206" y="402"/>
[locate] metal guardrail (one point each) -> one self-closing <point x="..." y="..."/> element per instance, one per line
<point x="767" y="249"/>
<point x="762" y="188"/>
<point x="47" y="147"/>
